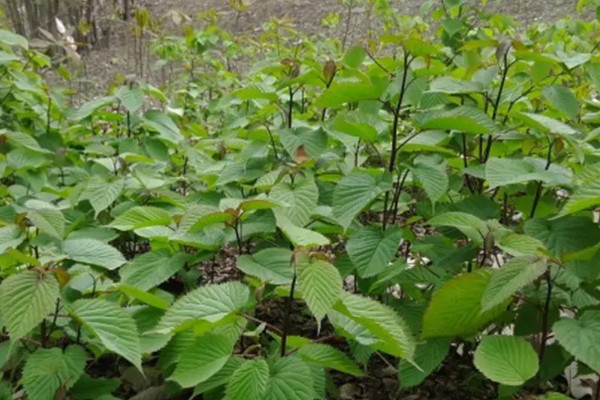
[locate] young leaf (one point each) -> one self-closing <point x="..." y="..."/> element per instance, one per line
<point x="328" y="357"/>
<point x="371" y="249"/>
<point x="509" y="360"/>
<point x="249" y="381"/>
<point x="27" y="298"/>
<point x="94" y="252"/>
<point x="204" y="358"/>
<point x="581" y="337"/>
<point x="209" y="303"/>
<point x="102" y="193"/>
<point x="321" y="286"/>
<point x="114" y="327"/>
<point x="506" y="281"/>
<point x="455" y="309"/>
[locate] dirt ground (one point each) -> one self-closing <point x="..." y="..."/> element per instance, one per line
<point x="101" y="65"/>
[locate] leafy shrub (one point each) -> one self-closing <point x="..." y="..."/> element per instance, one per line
<point x="405" y="201"/>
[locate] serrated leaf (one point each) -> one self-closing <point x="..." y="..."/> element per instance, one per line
<point x="371" y="249"/>
<point x="27" y="298"/>
<point x="546" y="124"/>
<point x="509" y="360"/>
<point x="221" y="378"/>
<point x="340" y="93"/>
<point x="563" y="99"/>
<point x="269" y="265"/>
<point x="321" y="286"/>
<point x="564" y="235"/>
<point x="312" y="141"/>
<point x="10" y="237"/>
<point x="203" y="359"/>
<point x="290" y="379"/>
<point x="249" y="381"/>
<point x="102" y="193"/>
<point x="47" y="370"/>
<point x="298" y="201"/>
<point x="392" y="334"/>
<point x="581" y="337"/>
<point x="209" y="303"/>
<point x="353" y="193"/>
<point x="432" y="175"/>
<point x="115" y="328"/>
<point x="151" y="269"/>
<point x="300" y="237"/>
<point x="463" y="119"/>
<point x="587" y="194"/>
<point x="510" y="171"/>
<point x="94" y="252"/>
<point x="455" y="309"/>
<point x="48" y="220"/>
<point x="428" y="356"/>
<point x="328" y="357"/>
<point x="513" y="276"/>
<point x="132" y="99"/>
<point x="471" y="226"/>
<point x="161" y="123"/>
<point x="141" y="217"/>
<point x="450" y="85"/>
<point x="144" y="297"/>
<point x="520" y="245"/>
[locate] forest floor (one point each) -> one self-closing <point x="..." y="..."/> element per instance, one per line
<point x="101" y="65"/>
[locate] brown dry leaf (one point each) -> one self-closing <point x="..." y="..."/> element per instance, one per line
<point x="329" y="71"/>
<point x="301" y="155"/>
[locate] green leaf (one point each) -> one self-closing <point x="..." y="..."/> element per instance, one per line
<point x="200" y="216"/>
<point x="357" y="129"/>
<point x="90" y="388"/>
<point x="209" y="303"/>
<point x="221" y="378"/>
<point x="321" y="286"/>
<point x="354" y="57"/>
<point x="328" y="357"/>
<point x="145" y="297"/>
<point x="132" y="99"/>
<point x="102" y="193"/>
<point x="455" y="309"/>
<point x="47" y="370"/>
<point x="512" y="277"/>
<point x="161" y="123"/>
<point x="114" y="327"/>
<point x="381" y="322"/>
<point x="546" y="124"/>
<point x="471" y="226"/>
<point x="298" y="201"/>
<point x="564" y="235"/>
<point x="314" y="141"/>
<point x="354" y="192"/>
<point x="341" y="93"/>
<point x="203" y="359"/>
<point x="48" y="220"/>
<point x="141" y="217"/>
<point x="12" y="39"/>
<point x="509" y="360"/>
<point x="428" y="356"/>
<point x="151" y="269"/>
<point x="520" y="245"/>
<point x="449" y="85"/>
<point x="431" y="172"/>
<point x="10" y="237"/>
<point x="463" y="119"/>
<point x="587" y="194"/>
<point x="563" y="99"/>
<point x="290" y="379"/>
<point x="27" y="298"/>
<point x="249" y="381"/>
<point x="371" y="249"/>
<point x="269" y="265"/>
<point x="510" y="171"/>
<point x="300" y="237"/>
<point x="94" y="252"/>
<point x="581" y="337"/>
